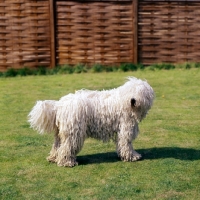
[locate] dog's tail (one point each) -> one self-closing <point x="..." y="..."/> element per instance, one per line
<point x="43" y="116"/>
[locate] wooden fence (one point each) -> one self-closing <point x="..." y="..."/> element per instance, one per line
<point x="51" y="32"/>
<point x="168" y="31"/>
<point x="95" y="32"/>
<point x="24" y="33"/>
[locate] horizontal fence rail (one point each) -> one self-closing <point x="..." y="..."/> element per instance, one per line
<point x="56" y="32"/>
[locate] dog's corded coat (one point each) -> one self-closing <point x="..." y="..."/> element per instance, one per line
<point x="104" y="115"/>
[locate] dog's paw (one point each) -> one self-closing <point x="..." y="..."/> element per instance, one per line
<point x="51" y="159"/>
<point x="70" y="163"/>
<point x="132" y="157"/>
<point x="136" y="157"/>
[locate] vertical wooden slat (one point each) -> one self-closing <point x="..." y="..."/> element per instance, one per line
<point x="52" y="30"/>
<point x="135" y="30"/>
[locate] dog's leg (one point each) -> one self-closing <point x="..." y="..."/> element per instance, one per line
<point x="53" y="153"/>
<point x="67" y="154"/>
<point x="69" y="148"/>
<point x="124" y="144"/>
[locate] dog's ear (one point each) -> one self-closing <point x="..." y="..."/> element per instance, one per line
<point x="133" y="102"/>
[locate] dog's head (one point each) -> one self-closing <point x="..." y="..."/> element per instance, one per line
<point x="142" y="99"/>
<point x="138" y="96"/>
<point x="140" y="108"/>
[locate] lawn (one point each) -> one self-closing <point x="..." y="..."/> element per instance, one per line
<point x="169" y="140"/>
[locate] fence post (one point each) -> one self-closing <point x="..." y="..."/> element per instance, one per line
<point x="135" y="29"/>
<point x="52" y="30"/>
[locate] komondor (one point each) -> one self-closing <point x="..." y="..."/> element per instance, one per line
<point x="104" y="115"/>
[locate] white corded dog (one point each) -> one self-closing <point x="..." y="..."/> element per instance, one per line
<point x="104" y="115"/>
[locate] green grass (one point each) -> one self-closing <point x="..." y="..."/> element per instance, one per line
<point x="169" y="140"/>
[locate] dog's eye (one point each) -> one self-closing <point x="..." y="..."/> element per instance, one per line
<point x="133" y="102"/>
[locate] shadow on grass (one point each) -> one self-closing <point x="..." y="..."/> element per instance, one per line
<point x="171" y="152"/>
<point x="109" y="157"/>
<point x="147" y="154"/>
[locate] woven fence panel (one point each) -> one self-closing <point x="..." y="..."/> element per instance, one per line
<point x="168" y="31"/>
<point x="94" y="32"/>
<point x="24" y="33"/>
